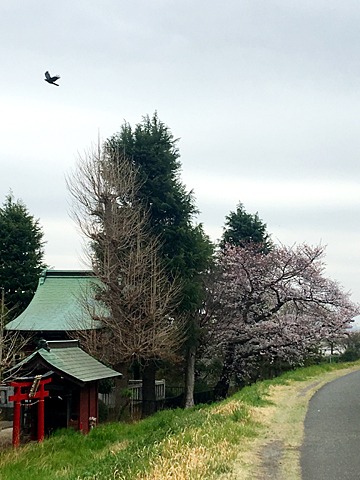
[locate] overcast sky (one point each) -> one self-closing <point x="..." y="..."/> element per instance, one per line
<point x="264" y="96"/>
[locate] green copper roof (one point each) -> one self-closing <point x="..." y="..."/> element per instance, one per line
<point x="66" y="357"/>
<point x="59" y="303"/>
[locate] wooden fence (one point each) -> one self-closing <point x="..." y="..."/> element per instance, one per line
<point x="135" y="386"/>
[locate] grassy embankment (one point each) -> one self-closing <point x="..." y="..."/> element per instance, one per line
<point x="200" y="443"/>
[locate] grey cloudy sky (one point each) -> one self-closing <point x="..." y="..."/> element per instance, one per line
<point x="263" y="94"/>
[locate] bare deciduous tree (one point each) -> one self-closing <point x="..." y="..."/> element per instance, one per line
<point x="11" y="343"/>
<point x="138" y="298"/>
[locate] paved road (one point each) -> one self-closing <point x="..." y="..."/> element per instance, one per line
<point x="331" y="448"/>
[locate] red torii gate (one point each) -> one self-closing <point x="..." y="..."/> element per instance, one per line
<point x="35" y="389"/>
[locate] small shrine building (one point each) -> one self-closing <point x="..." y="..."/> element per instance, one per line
<point x="56" y="386"/>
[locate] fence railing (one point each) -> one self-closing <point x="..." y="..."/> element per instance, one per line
<point x="108" y="399"/>
<point x="166" y="397"/>
<point x="135" y="386"/>
<point x="136" y="390"/>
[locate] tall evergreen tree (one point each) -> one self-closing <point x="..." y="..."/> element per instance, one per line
<point x="242" y="228"/>
<point x="185" y="247"/>
<point x="186" y="250"/>
<point x="21" y="254"/>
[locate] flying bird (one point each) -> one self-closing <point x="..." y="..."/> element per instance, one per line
<point x="50" y="79"/>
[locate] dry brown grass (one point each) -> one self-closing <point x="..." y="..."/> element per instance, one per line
<point x="227" y="408"/>
<point x="181" y="461"/>
<point x="113" y="449"/>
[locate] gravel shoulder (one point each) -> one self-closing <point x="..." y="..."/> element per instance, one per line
<point x="275" y="454"/>
<point x="5" y="434"/>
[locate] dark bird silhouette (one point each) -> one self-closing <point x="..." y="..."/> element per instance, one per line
<point x="50" y="79"/>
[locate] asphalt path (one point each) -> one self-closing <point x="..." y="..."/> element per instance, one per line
<point x="331" y="447"/>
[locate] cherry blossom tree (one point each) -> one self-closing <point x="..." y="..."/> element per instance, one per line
<point x="274" y="307"/>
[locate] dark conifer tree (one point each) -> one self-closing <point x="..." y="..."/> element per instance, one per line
<point x="21" y="255"/>
<point x="186" y="249"/>
<point x="242" y="228"/>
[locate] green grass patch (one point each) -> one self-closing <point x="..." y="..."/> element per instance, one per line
<point x="306" y="373"/>
<point x="126" y="451"/>
<point x="198" y="443"/>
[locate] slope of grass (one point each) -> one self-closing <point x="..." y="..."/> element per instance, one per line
<point x="200" y="443"/>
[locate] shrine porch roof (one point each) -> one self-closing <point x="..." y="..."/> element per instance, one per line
<point x="67" y="358"/>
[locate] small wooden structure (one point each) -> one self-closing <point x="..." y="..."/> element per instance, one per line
<point x="27" y="390"/>
<point x="56" y="387"/>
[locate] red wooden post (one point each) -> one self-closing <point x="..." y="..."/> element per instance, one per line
<point x="16" y="398"/>
<point x="41" y="420"/>
<point x="16" y="424"/>
<point x="40" y="394"/>
<point x="84" y="409"/>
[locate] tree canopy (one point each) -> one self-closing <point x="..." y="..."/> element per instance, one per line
<point x="255" y="303"/>
<point x="242" y="228"/>
<point x="275" y="307"/>
<point x="21" y="254"/>
<point x="138" y="297"/>
<point x="185" y="248"/>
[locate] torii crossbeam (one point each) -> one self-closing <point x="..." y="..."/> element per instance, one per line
<point x="32" y="390"/>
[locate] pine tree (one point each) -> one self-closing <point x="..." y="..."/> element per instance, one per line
<point x="242" y="228"/>
<point x="186" y="250"/>
<point x="185" y="247"/>
<point x="21" y="254"/>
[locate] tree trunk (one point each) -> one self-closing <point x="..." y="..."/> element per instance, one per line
<point x="122" y="399"/>
<point x="190" y="376"/>
<point x="148" y="389"/>
<point x="2" y="325"/>
<point x="222" y="386"/>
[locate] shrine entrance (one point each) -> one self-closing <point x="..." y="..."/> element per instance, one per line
<point x="61" y="409"/>
<point x="29" y="392"/>
<point x="63" y="393"/>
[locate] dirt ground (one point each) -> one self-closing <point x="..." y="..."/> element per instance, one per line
<point x="275" y="455"/>
<point x="5" y="434"/>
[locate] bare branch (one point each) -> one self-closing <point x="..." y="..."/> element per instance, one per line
<point x="137" y="297"/>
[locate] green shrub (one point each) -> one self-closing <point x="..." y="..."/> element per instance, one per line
<point x="103" y="412"/>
